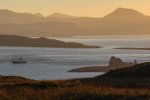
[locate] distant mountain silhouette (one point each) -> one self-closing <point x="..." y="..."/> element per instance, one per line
<point x="120" y="22"/>
<point x="20" y="41"/>
<point x="125" y="14"/>
<point x="7" y="16"/>
<point x="60" y="15"/>
<point x="124" y="22"/>
<point x="44" y="29"/>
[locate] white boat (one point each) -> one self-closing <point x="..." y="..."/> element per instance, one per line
<point x="19" y="61"/>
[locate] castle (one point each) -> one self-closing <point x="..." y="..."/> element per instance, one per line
<point x="117" y="62"/>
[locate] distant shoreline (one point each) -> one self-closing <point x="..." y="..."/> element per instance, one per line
<point x="134" y="48"/>
<point x="22" y="41"/>
<point x="97" y="37"/>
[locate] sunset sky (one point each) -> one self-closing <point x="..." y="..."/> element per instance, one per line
<point x="92" y="8"/>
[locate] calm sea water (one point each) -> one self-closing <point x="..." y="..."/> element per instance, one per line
<point x="53" y="63"/>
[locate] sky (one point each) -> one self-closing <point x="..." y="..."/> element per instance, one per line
<point x="89" y="8"/>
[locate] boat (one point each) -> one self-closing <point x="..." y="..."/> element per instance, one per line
<point x="20" y="61"/>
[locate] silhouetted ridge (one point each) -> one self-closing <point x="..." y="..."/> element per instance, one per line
<point x="123" y="13"/>
<point x="140" y="70"/>
<point x="127" y="11"/>
<point x="6" y="11"/>
<point x="39" y="14"/>
<point x="120" y="22"/>
<point x="60" y="15"/>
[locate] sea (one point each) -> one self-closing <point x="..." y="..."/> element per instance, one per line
<point x="54" y="63"/>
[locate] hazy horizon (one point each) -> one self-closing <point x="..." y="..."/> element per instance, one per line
<point x="57" y="13"/>
<point x="81" y="8"/>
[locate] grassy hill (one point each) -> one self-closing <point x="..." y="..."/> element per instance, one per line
<point x="137" y="71"/>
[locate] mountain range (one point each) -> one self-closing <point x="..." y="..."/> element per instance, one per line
<point x="122" y="21"/>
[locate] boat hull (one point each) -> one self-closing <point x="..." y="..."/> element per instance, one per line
<point x="19" y="62"/>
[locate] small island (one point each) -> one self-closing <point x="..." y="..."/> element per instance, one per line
<point x="114" y="63"/>
<point x="21" y="41"/>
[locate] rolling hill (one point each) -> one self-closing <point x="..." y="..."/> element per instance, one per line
<point x="137" y="71"/>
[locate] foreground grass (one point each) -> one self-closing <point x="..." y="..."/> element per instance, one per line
<point x="77" y="93"/>
<point x="17" y="88"/>
<point x="132" y="83"/>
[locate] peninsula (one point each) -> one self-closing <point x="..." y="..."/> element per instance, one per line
<point x="21" y="41"/>
<point x="114" y="63"/>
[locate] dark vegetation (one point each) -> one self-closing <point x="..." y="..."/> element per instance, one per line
<point x="130" y="83"/>
<point x="21" y="41"/>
